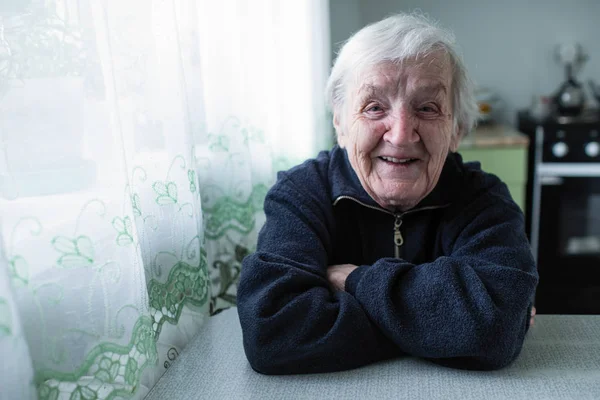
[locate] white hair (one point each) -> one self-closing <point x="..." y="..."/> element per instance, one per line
<point x="397" y="38"/>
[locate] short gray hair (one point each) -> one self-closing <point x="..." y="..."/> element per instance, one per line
<point x="397" y="38"/>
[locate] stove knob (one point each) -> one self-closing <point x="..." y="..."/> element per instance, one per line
<point x="560" y="149"/>
<point x="592" y="149"/>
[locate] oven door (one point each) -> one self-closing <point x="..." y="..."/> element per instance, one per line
<point x="568" y="243"/>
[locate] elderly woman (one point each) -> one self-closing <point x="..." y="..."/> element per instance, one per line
<point x="388" y="244"/>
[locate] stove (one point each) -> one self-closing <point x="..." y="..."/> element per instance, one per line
<point x="563" y="210"/>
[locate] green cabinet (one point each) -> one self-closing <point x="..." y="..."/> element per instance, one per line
<point x="508" y="163"/>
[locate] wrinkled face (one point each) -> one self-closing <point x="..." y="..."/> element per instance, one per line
<point x="397" y="128"/>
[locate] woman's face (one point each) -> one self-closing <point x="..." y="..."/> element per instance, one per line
<point x="397" y="128"/>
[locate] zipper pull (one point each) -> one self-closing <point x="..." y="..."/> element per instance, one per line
<point x="398" y="239"/>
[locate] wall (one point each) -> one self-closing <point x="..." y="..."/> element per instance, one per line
<point x="345" y="19"/>
<point x="508" y="45"/>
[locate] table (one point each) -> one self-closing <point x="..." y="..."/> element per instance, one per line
<point x="560" y="360"/>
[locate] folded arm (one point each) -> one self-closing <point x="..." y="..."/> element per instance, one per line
<point x="292" y="320"/>
<point x="469" y="309"/>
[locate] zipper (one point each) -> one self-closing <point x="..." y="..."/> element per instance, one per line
<point x="362" y="204"/>
<point x="398" y="238"/>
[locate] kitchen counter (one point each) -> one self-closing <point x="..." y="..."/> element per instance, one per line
<point x="494" y="135"/>
<point x="560" y="360"/>
<point x="502" y="151"/>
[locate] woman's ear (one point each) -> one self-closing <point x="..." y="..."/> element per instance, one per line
<point x="454" y="143"/>
<point x="455" y="139"/>
<point x="338" y="129"/>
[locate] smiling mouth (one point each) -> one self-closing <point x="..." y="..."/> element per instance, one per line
<point x="394" y="160"/>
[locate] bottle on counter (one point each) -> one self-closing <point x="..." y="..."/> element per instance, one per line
<point x="541" y="107"/>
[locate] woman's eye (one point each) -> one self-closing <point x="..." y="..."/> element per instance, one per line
<point x="374" y="108"/>
<point x="428" y="109"/>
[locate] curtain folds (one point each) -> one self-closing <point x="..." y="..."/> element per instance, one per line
<point x="137" y="142"/>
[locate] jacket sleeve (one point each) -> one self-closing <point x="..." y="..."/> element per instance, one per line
<point x="469" y="309"/>
<point x="292" y="320"/>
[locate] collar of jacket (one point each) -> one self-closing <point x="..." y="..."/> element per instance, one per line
<point x="345" y="182"/>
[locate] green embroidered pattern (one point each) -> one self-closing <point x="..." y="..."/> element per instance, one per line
<point x="166" y="191"/>
<point x="192" y="179"/>
<point x="123" y="228"/>
<point x="18" y="268"/>
<point x="5" y="319"/>
<point x="252" y="134"/>
<point x="109" y="371"/>
<point x="229" y="272"/>
<point x="228" y="213"/>
<point x="78" y="252"/>
<point x="135" y="204"/>
<point x="48" y="393"/>
<point x="172" y="355"/>
<point x="234" y="128"/>
<point x="186" y="284"/>
<point x="18" y="271"/>
<point x="218" y="142"/>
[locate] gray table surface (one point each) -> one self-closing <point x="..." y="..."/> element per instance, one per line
<point x="560" y="360"/>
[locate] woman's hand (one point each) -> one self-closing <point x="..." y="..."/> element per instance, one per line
<point x="532" y="317"/>
<point x="337" y="274"/>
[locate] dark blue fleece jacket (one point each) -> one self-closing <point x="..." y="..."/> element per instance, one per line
<point x="457" y="291"/>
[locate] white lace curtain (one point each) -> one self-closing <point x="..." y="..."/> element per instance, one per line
<point x="137" y="141"/>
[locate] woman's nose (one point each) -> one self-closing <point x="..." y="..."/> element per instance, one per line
<point x="402" y="129"/>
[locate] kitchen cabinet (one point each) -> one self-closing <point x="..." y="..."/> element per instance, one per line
<point x="502" y="151"/>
